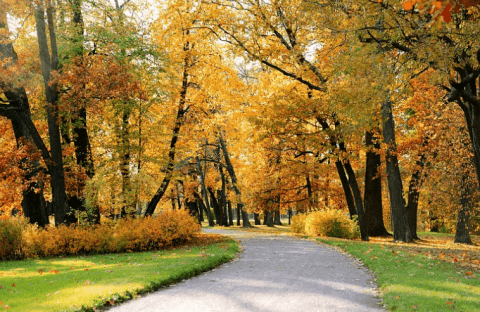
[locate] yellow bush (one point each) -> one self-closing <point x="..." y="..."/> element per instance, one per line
<point x="11" y="239"/>
<point x="298" y="223"/>
<point x="331" y="223"/>
<point x="167" y="229"/>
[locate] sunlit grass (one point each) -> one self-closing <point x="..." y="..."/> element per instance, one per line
<point x="412" y="279"/>
<point x="60" y="284"/>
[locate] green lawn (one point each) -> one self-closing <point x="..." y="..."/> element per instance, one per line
<point x="60" y="284"/>
<point x="412" y="281"/>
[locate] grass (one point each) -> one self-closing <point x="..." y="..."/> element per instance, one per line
<point x="421" y="276"/>
<point x="85" y="282"/>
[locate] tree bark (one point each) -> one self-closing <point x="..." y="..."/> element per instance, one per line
<point x="231" y="171"/>
<point x="256" y="219"/>
<point x="346" y="188"/>
<point x="373" y="189"/>
<point x="50" y="63"/>
<point x="462" y="233"/>
<point x="230" y="213"/>
<point x="352" y="180"/>
<point x="33" y="202"/>
<point x="268" y="219"/>
<point x="181" y="111"/>
<point x="401" y="231"/>
<point x="413" y="196"/>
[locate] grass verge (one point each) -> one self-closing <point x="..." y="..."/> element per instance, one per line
<point x="83" y="283"/>
<point x="411" y="281"/>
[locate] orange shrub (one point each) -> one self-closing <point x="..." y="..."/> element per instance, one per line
<point x="167" y="229"/>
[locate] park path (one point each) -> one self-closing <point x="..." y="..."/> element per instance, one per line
<point x="273" y="273"/>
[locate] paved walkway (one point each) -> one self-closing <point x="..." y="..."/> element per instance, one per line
<point x="273" y="273"/>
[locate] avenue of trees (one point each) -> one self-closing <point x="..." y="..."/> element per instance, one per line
<point x="122" y="108"/>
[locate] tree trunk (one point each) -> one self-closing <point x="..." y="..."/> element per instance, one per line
<point x="33" y="203"/>
<point x="352" y="180"/>
<point x="181" y="111"/>
<point x="276" y="218"/>
<point x="202" y="206"/>
<point x="401" y="232"/>
<point x="346" y="188"/>
<point x="231" y="171"/>
<point x="216" y="207"/>
<point x="230" y="213"/>
<point x="413" y="195"/>
<point x="373" y="189"/>
<point x="462" y="233"/>
<point x="49" y="64"/>
<point x="238" y="216"/>
<point x="256" y="219"/>
<point x="268" y="220"/>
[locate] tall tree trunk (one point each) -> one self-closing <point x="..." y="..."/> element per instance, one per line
<point x="373" y="189"/>
<point x="128" y="200"/>
<point x="203" y="207"/>
<point x="352" y="180"/>
<point x="462" y="233"/>
<point x="346" y="188"/>
<point x="49" y="64"/>
<point x="176" y="131"/>
<point x="276" y="217"/>
<point x="268" y="219"/>
<point x="401" y="231"/>
<point x="231" y="171"/>
<point x="256" y="219"/>
<point x="230" y="213"/>
<point x="33" y="203"/>
<point x="413" y="196"/>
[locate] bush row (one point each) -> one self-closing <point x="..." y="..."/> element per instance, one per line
<point x="20" y="240"/>
<point x="327" y="222"/>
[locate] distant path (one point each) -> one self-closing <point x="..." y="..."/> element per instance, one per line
<point x="273" y="273"/>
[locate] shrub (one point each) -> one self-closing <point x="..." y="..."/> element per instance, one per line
<point x="11" y="238"/>
<point x="298" y="223"/>
<point x="331" y="223"/>
<point x="167" y="229"/>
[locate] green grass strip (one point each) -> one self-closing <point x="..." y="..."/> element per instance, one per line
<point x="83" y="283"/>
<point x="414" y="282"/>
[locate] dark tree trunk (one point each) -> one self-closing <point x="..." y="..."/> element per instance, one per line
<point x="256" y="219"/>
<point x="231" y="171"/>
<point x="276" y="218"/>
<point x="268" y="221"/>
<point x="462" y="233"/>
<point x="81" y="141"/>
<point x="352" y="180"/>
<point x="289" y="215"/>
<point x="181" y="111"/>
<point x="373" y="189"/>
<point x="217" y="209"/>
<point x="238" y="215"/>
<point x="346" y="188"/>
<point x="230" y="213"/>
<point x="413" y="196"/>
<point x="203" y="207"/>
<point x="49" y="64"/>
<point x="401" y="232"/>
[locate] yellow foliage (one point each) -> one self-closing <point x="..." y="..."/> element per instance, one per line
<point x="331" y="223"/>
<point x="167" y="229"/>
<point x="298" y="223"/>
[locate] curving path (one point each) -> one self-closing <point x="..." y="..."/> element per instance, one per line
<point x="273" y="273"/>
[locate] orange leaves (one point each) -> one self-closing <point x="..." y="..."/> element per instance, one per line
<point x="441" y="9"/>
<point x="167" y="229"/>
<point x="409" y="4"/>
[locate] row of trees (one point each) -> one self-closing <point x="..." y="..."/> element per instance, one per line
<point x="273" y="105"/>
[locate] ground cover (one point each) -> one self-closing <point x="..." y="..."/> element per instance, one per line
<point x="432" y="274"/>
<point x="84" y="282"/>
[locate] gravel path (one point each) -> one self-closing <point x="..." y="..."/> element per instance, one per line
<point x="273" y="273"/>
